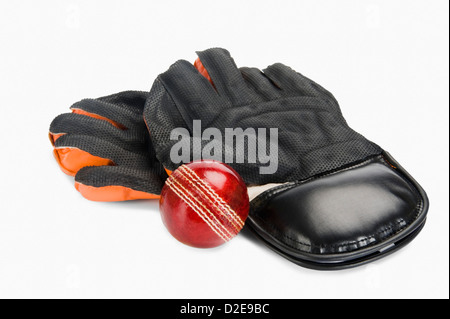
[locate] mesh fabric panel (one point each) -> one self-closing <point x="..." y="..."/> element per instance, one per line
<point x="313" y="136"/>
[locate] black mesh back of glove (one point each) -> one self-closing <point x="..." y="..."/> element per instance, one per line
<point x="313" y="136"/>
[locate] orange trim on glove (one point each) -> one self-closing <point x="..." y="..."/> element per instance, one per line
<point x="71" y="160"/>
<point x="54" y="137"/>
<point x="112" y="193"/>
<point x="201" y="68"/>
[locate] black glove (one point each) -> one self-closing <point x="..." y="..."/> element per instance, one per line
<point x="332" y="200"/>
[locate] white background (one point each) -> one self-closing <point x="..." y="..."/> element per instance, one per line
<point x="387" y="63"/>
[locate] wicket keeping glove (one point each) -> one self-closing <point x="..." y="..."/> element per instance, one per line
<point x="104" y="144"/>
<point x="335" y="200"/>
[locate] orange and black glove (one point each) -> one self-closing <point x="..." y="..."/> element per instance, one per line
<point x="104" y="143"/>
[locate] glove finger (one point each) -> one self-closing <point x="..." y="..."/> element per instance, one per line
<point x="322" y="91"/>
<point x="290" y="81"/>
<point x="78" y="124"/>
<point x="73" y="152"/>
<point x="132" y="101"/>
<point x="225" y="75"/>
<point x="191" y="93"/>
<point x="295" y="84"/>
<point x="261" y="84"/>
<point x="123" y="110"/>
<point x="118" y="183"/>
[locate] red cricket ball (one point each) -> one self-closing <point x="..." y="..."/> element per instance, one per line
<point x="204" y="203"/>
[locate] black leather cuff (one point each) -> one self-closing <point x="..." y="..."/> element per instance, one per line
<point x="342" y="219"/>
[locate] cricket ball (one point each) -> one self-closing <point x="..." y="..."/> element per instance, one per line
<point x="204" y="203"/>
